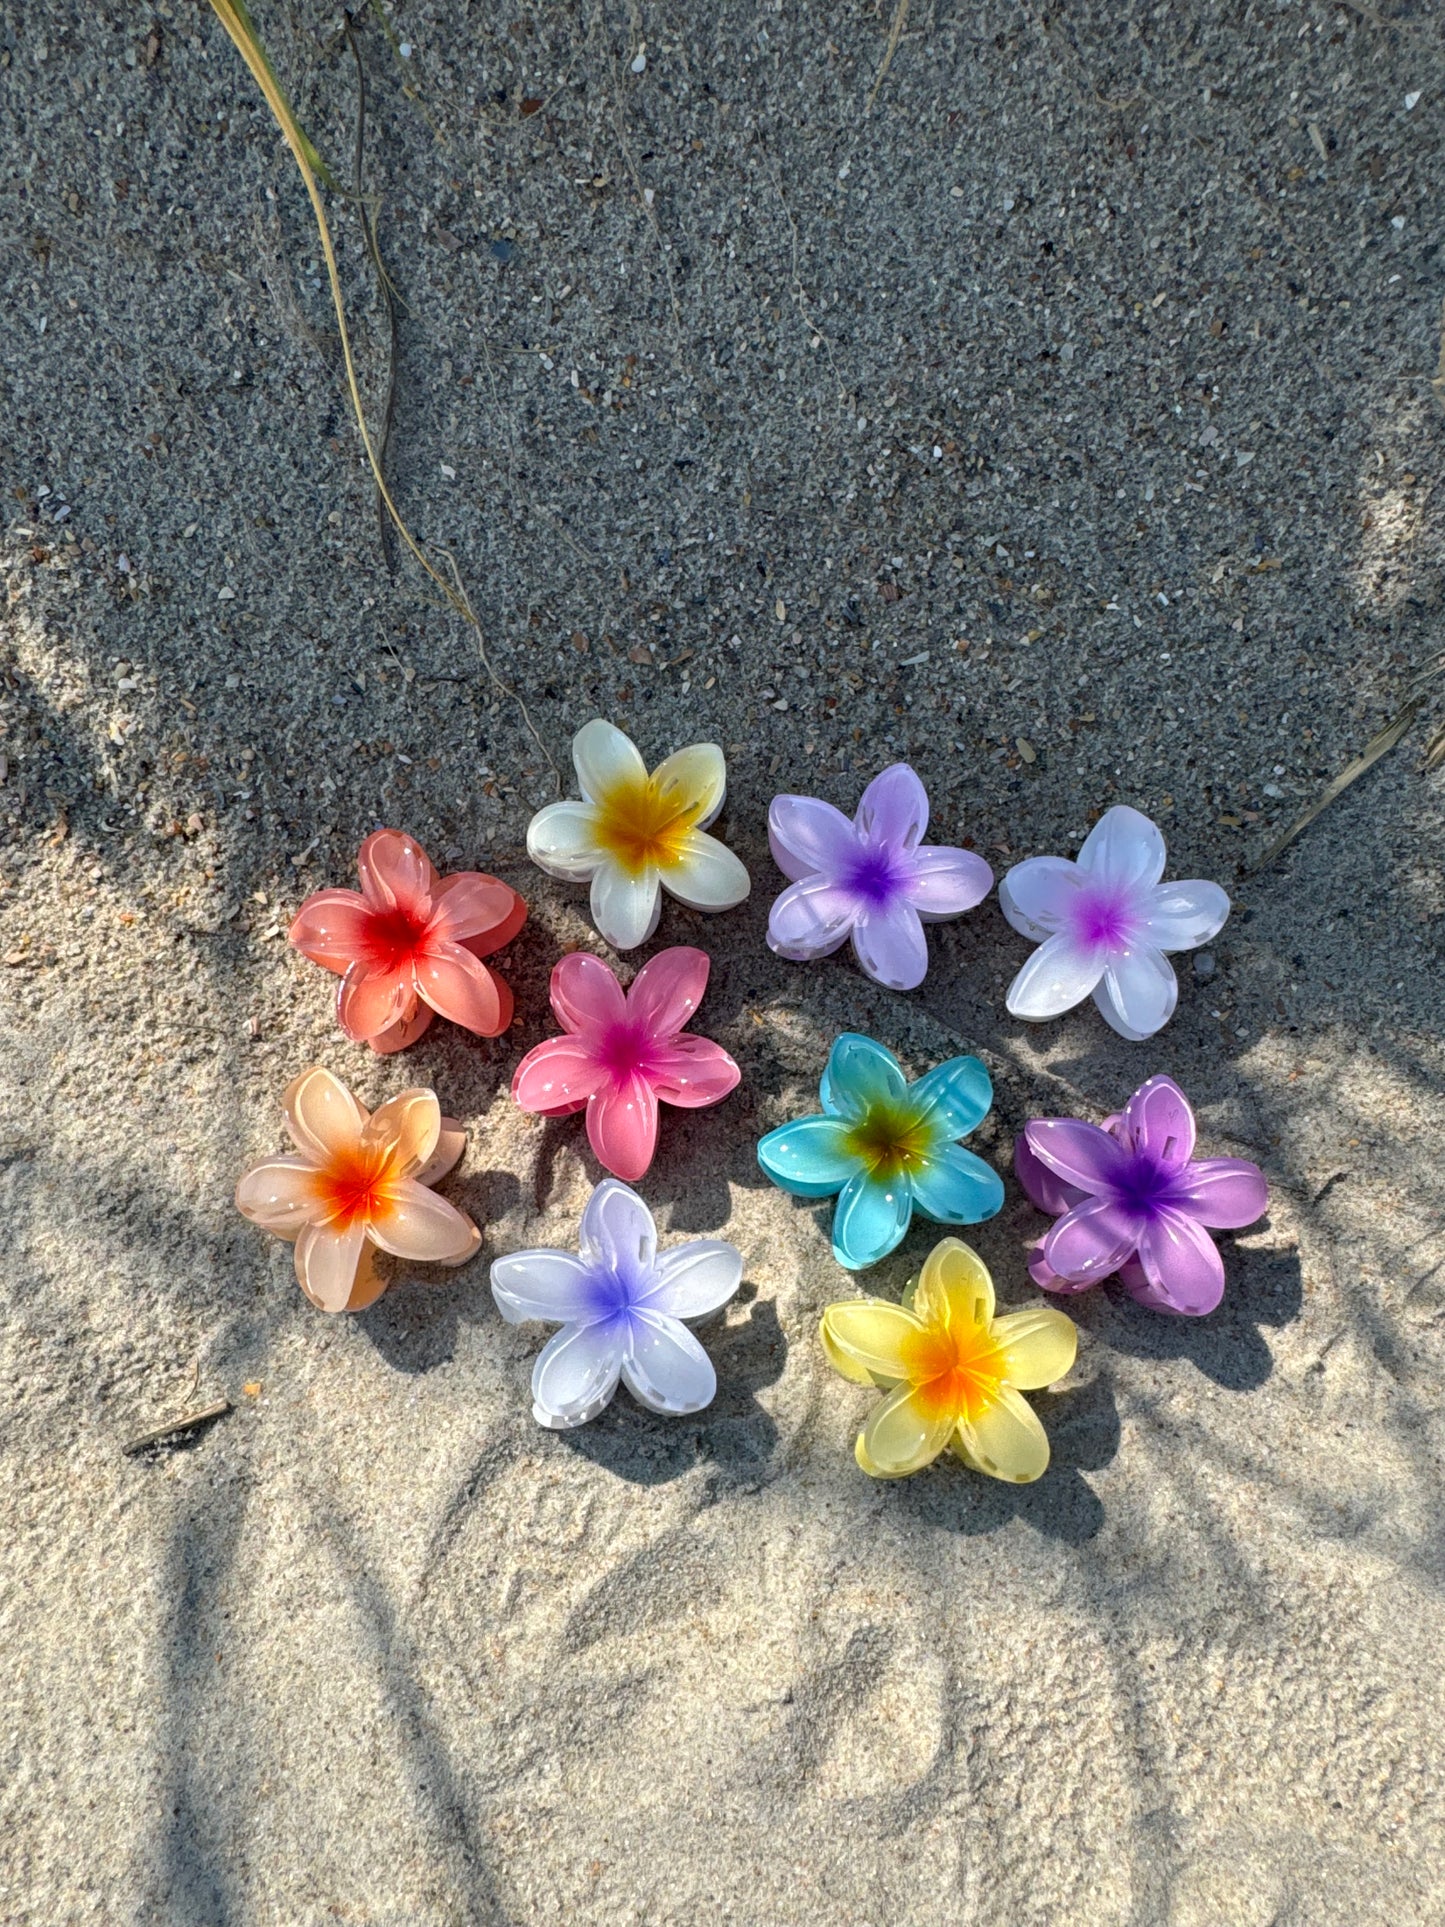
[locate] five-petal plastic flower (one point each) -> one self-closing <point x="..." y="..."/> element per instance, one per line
<point x="887" y="1146"/>
<point x="1105" y="924"/>
<point x="411" y="944"/>
<point x="953" y="1372"/>
<point x="358" y="1181"/>
<point x="634" y="835"/>
<point x="873" y="879"/>
<point x="622" y="1054"/>
<point x="624" y="1308"/>
<point x="1135" y="1200"/>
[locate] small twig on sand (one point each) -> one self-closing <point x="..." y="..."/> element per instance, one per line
<point x="895" y="34"/>
<point x="187" y="1422"/>
<point x="383" y="282"/>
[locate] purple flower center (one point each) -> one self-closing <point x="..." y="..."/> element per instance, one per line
<point x="623" y="1049"/>
<point x="876" y="876"/>
<point x="1146" y="1185"/>
<point x="1105" y="916"/>
<point x="611" y="1293"/>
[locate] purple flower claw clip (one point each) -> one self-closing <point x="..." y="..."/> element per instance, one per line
<point x="1131" y="1198"/>
<point x="874" y="879"/>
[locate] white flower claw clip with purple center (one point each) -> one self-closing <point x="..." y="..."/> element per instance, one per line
<point x="1106" y="925"/>
<point x="624" y="1308"/>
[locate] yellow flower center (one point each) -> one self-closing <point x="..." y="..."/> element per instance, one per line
<point x="955" y="1374"/>
<point x="889" y="1139"/>
<point x="644" y="825"/>
<point x="355" y="1182"/>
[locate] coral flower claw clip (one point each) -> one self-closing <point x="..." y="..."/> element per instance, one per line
<point x="1105" y="926"/>
<point x="885" y="1147"/>
<point x="357" y="1184"/>
<point x="873" y="879"/>
<point x="952" y="1371"/>
<point x="410" y="945"/>
<point x="623" y="1053"/>
<point x="624" y="1308"/>
<point x="634" y="835"/>
<point x="1131" y="1198"/>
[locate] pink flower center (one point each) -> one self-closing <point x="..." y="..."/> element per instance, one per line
<point x="394" y="936"/>
<point x="1104" y="917"/>
<point x="623" y="1050"/>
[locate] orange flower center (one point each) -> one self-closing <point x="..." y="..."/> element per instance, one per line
<point x="954" y="1374"/>
<point x="642" y="826"/>
<point x="889" y="1139"/>
<point x="393" y="937"/>
<point x="353" y="1185"/>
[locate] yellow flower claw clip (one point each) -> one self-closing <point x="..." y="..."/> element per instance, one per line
<point x="951" y="1370"/>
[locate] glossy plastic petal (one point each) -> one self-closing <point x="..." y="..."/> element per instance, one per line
<point x="954" y="1289"/>
<point x="1182" y="1263"/>
<point x="894" y="809"/>
<point x="331" y="927"/>
<point x="1224" y="1193"/>
<point x="1042" y="1186"/>
<point x="412" y="1222"/>
<point x="859" y="1073"/>
<point x="404" y="1031"/>
<point x="279" y="1194"/>
<point x="1038" y="1346"/>
<point x="551" y="1285"/>
<point x="1079" y="1153"/>
<point x="953" y="1186"/>
<point x="556" y="1077"/>
<point x="1124" y="846"/>
<point x="370" y="1000"/>
<point x="665" y="1368"/>
<point x="693" y="1072"/>
<point x="1158" y="1119"/>
<point x="891" y="946"/>
<point x="395" y="872"/>
<point x="321" y="1114"/>
<point x="450" y="1144"/>
<point x="1139" y="991"/>
<point x="695" y="778"/>
<point x="1059" y="974"/>
<point x="605" y="759"/>
<point x="946" y="882"/>
<point x="1006" y="1440"/>
<point x="901" y="1436"/>
<point x="707" y="875"/>
<point x="1038" y="895"/>
<point x="957" y="1095"/>
<point x="868" y="1339"/>
<point x="809" y="837"/>
<point x="576" y="1375"/>
<point x="409" y="1125"/>
<point x="562" y="840"/>
<point x="870" y="1219"/>
<point x="326" y="1262"/>
<point x="809" y="1157"/>
<point x="459" y="986"/>
<point x="471" y="908"/>
<point x="585" y="994"/>
<point x="617" y="1231"/>
<point x="625" y="908"/>
<point x="1091" y="1241"/>
<point x="1181" y="916"/>
<point x="665" y="994"/>
<point x="694" y="1280"/>
<point x="811" y="919"/>
<point x="622" y="1126"/>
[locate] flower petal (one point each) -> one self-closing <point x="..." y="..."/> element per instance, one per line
<point x="955" y="1095"/>
<point x="1226" y="1193"/>
<point x="811" y="918"/>
<point x="370" y="1001"/>
<point x="368" y="1284"/>
<point x="279" y="1194"/>
<point x="331" y="929"/>
<point x="894" y="809"/>
<point x="605" y="759"/>
<point x="694" y="780"/>
<point x="693" y="1072"/>
<point x="1007" y="1441"/>
<point x="859" y="1074"/>
<point x="395" y="872"/>
<point x="706" y="875"/>
<point x="954" y="1288"/>
<point x="1158" y="1119"/>
<point x="1139" y="991"/>
<point x="321" y="1114"/>
<point x="585" y="994"/>
<point x="1038" y="894"/>
<point x="412" y="1222"/>
<point x="695" y="1279"/>
<point x="809" y="1157"/>
<point x="1043" y="1187"/>
<point x="900" y="1436"/>
<point x="1079" y="1153"/>
<point x="477" y="910"/>
<point x="890" y="945"/>
<point x="541" y="1284"/>
<point x="952" y="1186"/>
<point x="1181" y="916"/>
<point x="450" y="1144"/>
<point x="625" y="908"/>
<point x="622" y="1126"/>
<point x="1182" y="1263"/>
<point x="1091" y="1241"/>
<point x="664" y="995"/>
<point x="562" y="840"/>
<point x="617" y="1230"/>
<point x="459" y="986"/>
<point x="946" y="882"/>
<point x="1057" y="976"/>
<point x="407" y="1028"/>
<point x="556" y="1077"/>
<point x="1039" y="1345"/>
<point x="809" y="837"/>
<point x="410" y="1125"/>
<point x="665" y="1368"/>
<point x="870" y="1218"/>
<point x="326" y="1263"/>
<point x="1124" y="846"/>
<point x="576" y="1374"/>
<point x="1047" y="1279"/>
<point x="868" y="1337"/>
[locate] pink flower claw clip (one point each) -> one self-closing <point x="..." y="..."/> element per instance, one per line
<point x="874" y="879"/>
<point x="1133" y="1200"/>
<point x="1105" y="926"/>
<point x="621" y="1054"/>
<point x="410" y="945"/>
<point x="358" y="1183"/>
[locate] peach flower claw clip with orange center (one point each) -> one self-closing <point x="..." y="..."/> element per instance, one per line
<point x="410" y="945"/>
<point x="952" y="1371"/>
<point x="356" y="1184"/>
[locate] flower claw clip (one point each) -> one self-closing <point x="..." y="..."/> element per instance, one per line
<point x="953" y="1372"/>
<point x="624" y="1308"/>
<point x="1105" y="924"/>
<point x="410" y="945"/>
<point x="1133" y="1200"/>
<point x="886" y="1147"/>
<point x="873" y="879"/>
<point x="634" y="834"/>
<point x="356" y="1184"/>
<point x="624" y="1053"/>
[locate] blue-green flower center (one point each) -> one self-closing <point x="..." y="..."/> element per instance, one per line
<point x="889" y="1139"/>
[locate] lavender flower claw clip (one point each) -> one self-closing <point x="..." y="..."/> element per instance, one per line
<point x="1105" y="925"/>
<point x="874" y="879"/>
<point x="624" y="1308"/>
<point x="1131" y="1198"/>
